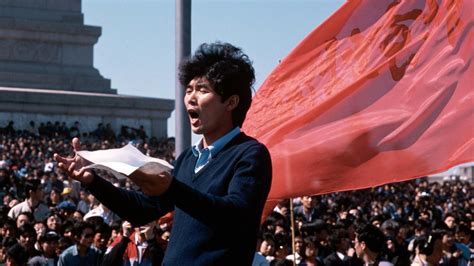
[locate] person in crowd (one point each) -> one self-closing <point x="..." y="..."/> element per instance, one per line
<point x="142" y="249"/>
<point x="282" y="244"/>
<point x="299" y="251"/>
<point x="40" y="228"/>
<point x="84" y="204"/>
<point x="16" y="255"/>
<point x="267" y="247"/>
<point x="33" y="202"/>
<point x="48" y="242"/>
<point x="428" y="250"/>
<point x="368" y="245"/>
<point x="54" y="222"/>
<point x="101" y="237"/>
<point x="54" y="198"/>
<point x="27" y="239"/>
<point x="463" y="235"/>
<point x="24" y="217"/>
<point x="450" y="220"/>
<point x="81" y="253"/>
<point x="454" y="253"/>
<point x="339" y="242"/>
<point x="218" y="81"/>
<point x="65" y="209"/>
<point x="307" y="210"/>
<point x="310" y="257"/>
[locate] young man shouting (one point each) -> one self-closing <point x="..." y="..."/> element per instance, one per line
<point x="219" y="186"/>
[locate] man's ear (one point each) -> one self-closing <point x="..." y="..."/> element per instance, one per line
<point x="232" y="102"/>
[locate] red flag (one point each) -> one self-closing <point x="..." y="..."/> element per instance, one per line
<point x="381" y="92"/>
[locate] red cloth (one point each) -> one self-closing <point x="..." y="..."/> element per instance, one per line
<point x="381" y="92"/>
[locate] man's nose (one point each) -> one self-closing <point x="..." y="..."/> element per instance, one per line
<point x="191" y="97"/>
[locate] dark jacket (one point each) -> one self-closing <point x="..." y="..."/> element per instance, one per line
<point x="334" y="260"/>
<point x="216" y="211"/>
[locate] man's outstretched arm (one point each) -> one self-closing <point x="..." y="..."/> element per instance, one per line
<point x="133" y="206"/>
<point x="130" y="205"/>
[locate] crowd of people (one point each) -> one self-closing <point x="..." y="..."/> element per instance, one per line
<point x="46" y="218"/>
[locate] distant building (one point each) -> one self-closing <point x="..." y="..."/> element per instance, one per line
<point x="47" y="72"/>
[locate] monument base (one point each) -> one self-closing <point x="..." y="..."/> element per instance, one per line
<point x="22" y="105"/>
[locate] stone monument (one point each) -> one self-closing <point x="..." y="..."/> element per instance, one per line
<point x="47" y="72"/>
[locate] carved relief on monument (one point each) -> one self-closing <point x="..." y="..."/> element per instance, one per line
<point x="20" y="50"/>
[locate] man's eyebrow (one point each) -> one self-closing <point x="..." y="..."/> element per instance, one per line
<point x="203" y="84"/>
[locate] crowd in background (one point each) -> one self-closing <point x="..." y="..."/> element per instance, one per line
<point x="48" y="219"/>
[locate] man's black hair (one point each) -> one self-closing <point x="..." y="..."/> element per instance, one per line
<point x="103" y="228"/>
<point x="229" y="71"/>
<point x="80" y="226"/>
<point x="18" y="254"/>
<point x="31" y="185"/>
<point x="26" y="229"/>
<point x="372" y="236"/>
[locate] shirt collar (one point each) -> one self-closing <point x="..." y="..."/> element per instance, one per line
<point x="217" y="146"/>
<point x="75" y="252"/>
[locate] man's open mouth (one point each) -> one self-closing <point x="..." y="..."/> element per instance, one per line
<point x="193" y="114"/>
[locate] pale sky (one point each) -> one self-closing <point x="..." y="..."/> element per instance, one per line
<point x="136" y="49"/>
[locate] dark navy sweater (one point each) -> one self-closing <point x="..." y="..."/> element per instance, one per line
<point x="216" y="211"/>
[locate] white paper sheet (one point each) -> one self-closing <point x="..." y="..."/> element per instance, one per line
<point x="124" y="161"/>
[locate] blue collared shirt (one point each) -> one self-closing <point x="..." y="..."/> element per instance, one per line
<point x="70" y="256"/>
<point x="206" y="154"/>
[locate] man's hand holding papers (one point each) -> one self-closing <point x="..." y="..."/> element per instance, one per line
<point x="150" y="174"/>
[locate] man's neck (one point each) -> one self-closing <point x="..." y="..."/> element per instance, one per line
<point x="32" y="202"/>
<point x="82" y="250"/>
<point x="370" y="257"/>
<point x="208" y="139"/>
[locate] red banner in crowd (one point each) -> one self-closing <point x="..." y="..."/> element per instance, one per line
<point x="381" y="92"/>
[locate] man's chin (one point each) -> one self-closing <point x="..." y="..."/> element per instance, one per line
<point x="196" y="130"/>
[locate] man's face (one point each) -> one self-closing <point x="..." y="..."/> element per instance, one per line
<point x="298" y="244"/>
<point x="101" y="240"/>
<point x="448" y="239"/>
<point x="49" y="247"/>
<point x="359" y="248"/>
<point x="39" y="228"/>
<point x="267" y="248"/>
<point x="27" y="240"/>
<point x="38" y="194"/>
<point x="21" y="220"/>
<point x="208" y="115"/>
<point x="86" y="238"/>
<point x="53" y="222"/>
<point x="307" y="202"/>
<point x="450" y="221"/>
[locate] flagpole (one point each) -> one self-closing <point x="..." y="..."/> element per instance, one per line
<point x="292" y="220"/>
<point x="183" y="51"/>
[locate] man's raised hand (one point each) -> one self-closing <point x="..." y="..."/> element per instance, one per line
<point x="75" y="166"/>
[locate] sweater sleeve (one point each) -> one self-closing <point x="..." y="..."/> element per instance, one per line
<point x="115" y="255"/>
<point x="133" y="206"/>
<point x="246" y="195"/>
